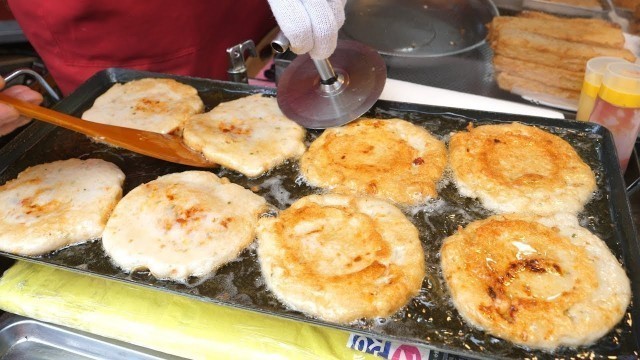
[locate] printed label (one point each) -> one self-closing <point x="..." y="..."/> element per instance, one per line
<point x="393" y="350"/>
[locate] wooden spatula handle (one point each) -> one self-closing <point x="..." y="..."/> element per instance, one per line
<point x="161" y="146"/>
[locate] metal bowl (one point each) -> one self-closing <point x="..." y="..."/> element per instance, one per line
<point x="418" y="28"/>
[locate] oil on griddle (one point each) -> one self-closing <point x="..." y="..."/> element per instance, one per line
<point x="429" y="319"/>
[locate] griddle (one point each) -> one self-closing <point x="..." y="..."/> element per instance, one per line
<point x="430" y="318"/>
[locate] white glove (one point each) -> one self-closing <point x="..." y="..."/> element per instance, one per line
<point x="310" y="25"/>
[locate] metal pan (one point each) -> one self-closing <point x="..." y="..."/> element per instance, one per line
<point x="23" y="338"/>
<point x="418" y="29"/>
<point x="429" y="319"/>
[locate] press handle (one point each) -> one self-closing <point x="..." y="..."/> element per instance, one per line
<point x="54" y="95"/>
<point x="280" y="44"/>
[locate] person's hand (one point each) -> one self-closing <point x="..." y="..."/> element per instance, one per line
<point x="10" y="119"/>
<point x="310" y="25"/>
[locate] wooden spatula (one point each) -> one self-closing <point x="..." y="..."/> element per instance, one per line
<point x="160" y="146"/>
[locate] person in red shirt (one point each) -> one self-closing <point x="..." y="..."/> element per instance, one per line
<point x="77" y="38"/>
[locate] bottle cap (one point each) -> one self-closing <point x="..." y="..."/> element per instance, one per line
<point x="621" y="85"/>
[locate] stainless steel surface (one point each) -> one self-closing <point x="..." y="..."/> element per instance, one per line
<point x="280" y="43"/>
<point x="408" y="28"/>
<point x="325" y="71"/>
<point x="305" y="95"/>
<point x="11" y="32"/>
<point x="23" y="338"/>
<point x="513" y="5"/>
<point x="238" y="70"/>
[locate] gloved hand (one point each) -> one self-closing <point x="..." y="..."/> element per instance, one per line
<point x="10" y="119"/>
<point x="310" y="25"/>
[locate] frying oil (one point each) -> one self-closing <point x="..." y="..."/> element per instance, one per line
<point x="430" y="316"/>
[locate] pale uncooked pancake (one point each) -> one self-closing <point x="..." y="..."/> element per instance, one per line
<point x="50" y="206"/>
<point x="389" y="159"/>
<point x="341" y="258"/>
<point x="154" y="104"/>
<point x="183" y="224"/>
<point x="538" y="282"/>
<point x="520" y="168"/>
<point x="250" y="135"/>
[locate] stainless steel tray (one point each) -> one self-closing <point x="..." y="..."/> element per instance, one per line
<point x="429" y="319"/>
<point x="23" y="338"/>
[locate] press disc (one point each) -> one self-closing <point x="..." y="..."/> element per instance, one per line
<point x="301" y="96"/>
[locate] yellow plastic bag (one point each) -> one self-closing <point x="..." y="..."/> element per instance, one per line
<point x="163" y="321"/>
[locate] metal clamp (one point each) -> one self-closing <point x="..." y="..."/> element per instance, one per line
<point x="54" y="95"/>
<point x="238" y="70"/>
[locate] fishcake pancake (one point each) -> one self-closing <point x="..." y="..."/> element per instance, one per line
<point x="341" y="258"/>
<point x="538" y="282"/>
<point x="157" y="105"/>
<point x="389" y="159"/>
<point x="50" y="206"/>
<point x="520" y="168"/>
<point x="183" y="224"/>
<point x="250" y="135"/>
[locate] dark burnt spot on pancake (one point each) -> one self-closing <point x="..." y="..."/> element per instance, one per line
<point x="226" y="221"/>
<point x="512" y="312"/>
<point x="492" y="293"/>
<point x="557" y="268"/>
<point x="191" y="214"/>
<point x="534" y="266"/>
<point x="367" y="149"/>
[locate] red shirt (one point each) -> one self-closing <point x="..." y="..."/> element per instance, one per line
<point x="77" y="38"/>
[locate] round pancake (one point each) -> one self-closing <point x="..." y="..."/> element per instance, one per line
<point x="50" y="206"/>
<point x="538" y="282"/>
<point x="250" y="135"/>
<point x="341" y="258"/>
<point x="389" y="159"/>
<point x="157" y="105"/>
<point x="520" y="168"/>
<point x="183" y="224"/>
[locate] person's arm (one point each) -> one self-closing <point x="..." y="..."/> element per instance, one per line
<point x="10" y="119"/>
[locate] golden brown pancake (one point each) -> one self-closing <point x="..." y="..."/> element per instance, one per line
<point x="537" y="282"/>
<point x="183" y="224"/>
<point x="50" y="206"/>
<point x="153" y="104"/>
<point x="520" y="168"/>
<point x="341" y="258"/>
<point x="389" y="159"/>
<point x="250" y="135"/>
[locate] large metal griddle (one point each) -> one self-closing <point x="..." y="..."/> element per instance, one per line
<point x="429" y="319"/>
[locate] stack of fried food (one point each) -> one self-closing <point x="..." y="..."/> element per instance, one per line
<point x="540" y="53"/>
<point x="580" y="3"/>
